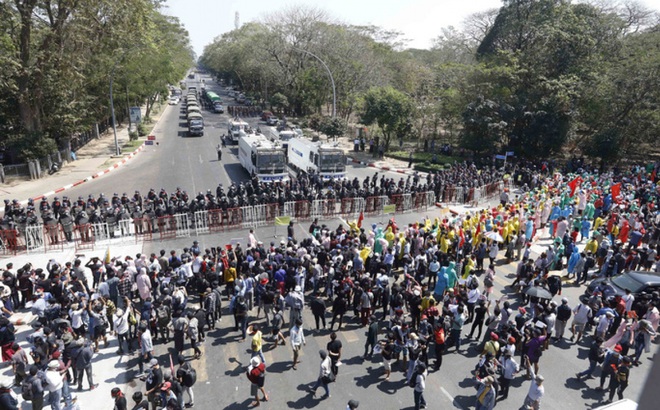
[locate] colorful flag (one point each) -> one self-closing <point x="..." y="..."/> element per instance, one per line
<point x="360" y="219"/>
<point x="282" y="220"/>
<point x="389" y="209"/>
<point x="616" y="191"/>
<point x="461" y="235"/>
<point x="574" y="184"/>
<point x="106" y="258"/>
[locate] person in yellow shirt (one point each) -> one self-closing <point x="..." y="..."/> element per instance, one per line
<point x="230" y="278"/>
<point x="591" y="246"/>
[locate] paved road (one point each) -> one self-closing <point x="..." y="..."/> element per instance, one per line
<point x="222" y="382"/>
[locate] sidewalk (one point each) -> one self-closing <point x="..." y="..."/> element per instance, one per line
<point x="94" y="159"/>
<point x="365" y="158"/>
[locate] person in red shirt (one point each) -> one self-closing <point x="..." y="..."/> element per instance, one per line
<point x="256" y="373"/>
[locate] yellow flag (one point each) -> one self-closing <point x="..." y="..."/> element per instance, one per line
<point x="282" y="220"/>
<point x="106" y="258"/>
<point x="389" y="209"/>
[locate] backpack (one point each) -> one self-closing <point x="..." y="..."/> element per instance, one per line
<point x="188" y="376"/>
<point x="241" y="306"/>
<point x="474" y="283"/>
<point x="27" y="389"/>
<point x="162" y="317"/>
<point x="488" y="282"/>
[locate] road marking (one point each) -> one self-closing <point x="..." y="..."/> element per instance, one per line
<point x="200" y="367"/>
<point x="449" y="396"/>
<point x="201" y="161"/>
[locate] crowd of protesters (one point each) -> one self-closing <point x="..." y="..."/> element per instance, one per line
<point x="415" y="288"/>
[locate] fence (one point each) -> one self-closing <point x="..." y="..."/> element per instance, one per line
<point x="44" y="238"/>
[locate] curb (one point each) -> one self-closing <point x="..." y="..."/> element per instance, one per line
<point x="91" y="177"/>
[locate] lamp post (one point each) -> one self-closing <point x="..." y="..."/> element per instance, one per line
<point x="332" y="80"/>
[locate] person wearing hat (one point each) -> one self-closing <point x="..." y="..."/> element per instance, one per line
<point x="119" y="398"/>
<point x="295" y="301"/>
<point x="564" y="313"/>
<point x="167" y="395"/>
<point x="352" y="404"/>
<point x="8" y="400"/>
<point x="536" y="388"/>
<point x="419" y="378"/>
<point x="54" y="383"/>
<point x="485" y="394"/>
<point x="492" y="346"/>
<point x="619" y="380"/>
<point x="581" y="315"/>
<point x="509" y="369"/>
<point x="153" y="381"/>
<point x="604" y="323"/>
<point x="256" y="373"/>
<point x="610" y="364"/>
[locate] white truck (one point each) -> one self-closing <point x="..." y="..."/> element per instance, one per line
<point x="235" y="127"/>
<point x="327" y="160"/>
<point x="263" y="158"/>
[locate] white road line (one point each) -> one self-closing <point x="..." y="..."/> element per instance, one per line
<point x="449" y="396"/>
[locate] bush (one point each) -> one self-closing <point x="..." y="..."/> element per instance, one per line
<point x="422" y="157"/>
<point x="143" y="130"/>
<point x="133" y="135"/>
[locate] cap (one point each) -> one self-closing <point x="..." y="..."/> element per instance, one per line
<point x="353" y="404"/>
<point x="166" y="386"/>
<point x="255" y="361"/>
<point x="608" y="313"/>
<point x="512" y="339"/>
<point x="297" y="288"/>
<point x="539" y="378"/>
<point x="53" y="364"/>
<point x="494" y="336"/>
<point x="56" y="355"/>
<point x="618" y="348"/>
<point x="508" y="353"/>
<point x="564" y="300"/>
<point x="263" y="281"/>
<point x="153" y="362"/>
<point x="522" y="310"/>
<point x="414" y="336"/>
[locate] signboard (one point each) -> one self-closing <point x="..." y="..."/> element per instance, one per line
<point x="135" y="114"/>
<point x="389" y="209"/>
<point x="148" y="142"/>
<point x="151" y="138"/>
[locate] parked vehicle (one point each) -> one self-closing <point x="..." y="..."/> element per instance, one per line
<point x="235" y="127"/>
<point x="263" y="158"/>
<point x="326" y="160"/>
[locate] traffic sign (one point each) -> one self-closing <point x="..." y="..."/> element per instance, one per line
<point x="151" y="138"/>
<point x="148" y="142"/>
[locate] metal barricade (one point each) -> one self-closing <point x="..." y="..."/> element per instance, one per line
<point x="289" y="209"/>
<point x="351" y="207"/>
<point x="407" y="203"/>
<point x="34" y="238"/>
<point x="247" y="216"/>
<point x="265" y="214"/>
<point x="318" y="206"/>
<point x="397" y="201"/>
<point x="84" y="238"/>
<point x="302" y="210"/>
<point x="430" y="199"/>
<point x="215" y="218"/>
<point x="331" y="208"/>
<point x="54" y="238"/>
<point x="166" y="227"/>
<point x="201" y="220"/>
<point x="373" y="205"/>
<point x="233" y="218"/>
<point x="143" y="229"/>
<point x="126" y="228"/>
<point x="10" y="241"/>
<point x="183" y="225"/>
<point x="101" y="232"/>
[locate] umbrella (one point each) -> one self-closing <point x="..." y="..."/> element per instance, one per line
<point x="538" y="292"/>
<point x="494" y="236"/>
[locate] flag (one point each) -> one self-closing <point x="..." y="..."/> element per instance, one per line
<point x="461" y="235"/>
<point x="360" y="219"/>
<point x="389" y="209"/>
<point x="509" y="153"/>
<point x="616" y="191"/>
<point x="282" y="220"/>
<point x="500" y="157"/>
<point x="574" y="184"/>
<point x="106" y="258"/>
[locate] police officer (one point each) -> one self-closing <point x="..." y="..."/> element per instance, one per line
<point x="219" y="150"/>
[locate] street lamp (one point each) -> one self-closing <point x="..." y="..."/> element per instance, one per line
<point x="332" y="80"/>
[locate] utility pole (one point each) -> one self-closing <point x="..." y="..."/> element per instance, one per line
<point x="332" y="80"/>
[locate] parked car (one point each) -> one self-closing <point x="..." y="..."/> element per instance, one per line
<point x="272" y="120"/>
<point x="174" y="100"/>
<point x="636" y="281"/>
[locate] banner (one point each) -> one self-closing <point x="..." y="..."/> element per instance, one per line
<point x="282" y="220"/>
<point x="509" y="153"/>
<point x="574" y="184"/>
<point x="500" y="157"/>
<point x="389" y="209"/>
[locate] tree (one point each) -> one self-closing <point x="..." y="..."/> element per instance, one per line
<point x="279" y="102"/>
<point x="390" y="109"/>
<point x="333" y="127"/>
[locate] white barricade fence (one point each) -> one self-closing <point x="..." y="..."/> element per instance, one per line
<point x="183" y="225"/>
<point x="318" y="205"/>
<point x="430" y="199"/>
<point x="478" y="193"/>
<point x="407" y="203"/>
<point x="359" y="205"/>
<point x="126" y="228"/>
<point x="201" y="219"/>
<point x="34" y="238"/>
<point x="101" y="232"/>
<point x="259" y="215"/>
<point x="247" y="216"/>
<point x="289" y="209"/>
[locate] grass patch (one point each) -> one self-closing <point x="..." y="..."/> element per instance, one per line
<point x="131" y="145"/>
<point x="424" y="158"/>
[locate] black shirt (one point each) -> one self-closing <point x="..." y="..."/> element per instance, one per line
<point x="120" y="403"/>
<point x="334" y="346"/>
<point x="144" y="405"/>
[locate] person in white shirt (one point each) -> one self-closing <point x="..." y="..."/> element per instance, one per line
<point x="629" y="299"/>
<point x="325" y="371"/>
<point x="581" y="315"/>
<point x="54" y="383"/>
<point x="536" y="389"/>
<point x="509" y="369"/>
<point x="120" y="321"/>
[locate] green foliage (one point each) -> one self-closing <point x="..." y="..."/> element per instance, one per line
<point x="333" y="127"/>
<point x="390" y="109"/>
<point x="143" y="130"/>
<point x="133" y="135"/>
<point x="279" y="102"/>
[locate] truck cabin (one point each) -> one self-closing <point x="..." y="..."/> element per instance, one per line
<point x="268" y="161"/>
<point x="330" y="160"/>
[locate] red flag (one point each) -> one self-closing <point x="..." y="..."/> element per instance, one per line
<point x="574" y="184"/>
<point x="462" y="236"/>
<point x="616" y="191"/>
<point x="360" y="219"/>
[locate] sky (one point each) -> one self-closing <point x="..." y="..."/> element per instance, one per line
<point x="420" y="21"/>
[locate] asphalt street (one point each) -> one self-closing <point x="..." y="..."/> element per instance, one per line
<point x="221" y="370"/>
